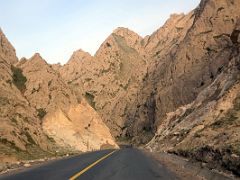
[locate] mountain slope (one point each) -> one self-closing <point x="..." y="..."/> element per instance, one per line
<point x="108" y="80"/>
<point x="20" y="133"/>
<point x="197" y="98"/>
<point x="198" y="45"/>
<point x="33" y="96"/>
<point x="64" y="117"/>
<point x="7" y="51"/>
<point x="45" y="89"/>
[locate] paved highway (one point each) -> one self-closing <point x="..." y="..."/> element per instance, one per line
<point x="123" y="164"/>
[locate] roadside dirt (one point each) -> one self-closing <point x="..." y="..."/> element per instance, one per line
<point x="189" y="170"/>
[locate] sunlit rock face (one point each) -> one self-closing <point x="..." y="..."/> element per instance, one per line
<point x="32" y="94"/>
<point x="66" y="118"/>
<point x="197" y="89"/>
<point x="111" y="79"/>
<point x="20" y="130"/>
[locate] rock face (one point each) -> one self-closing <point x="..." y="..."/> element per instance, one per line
<point x="80" y="128"/>
<point x="197" y="88"/>
<point x="208" y="128"/>
<point x="20" y="131"/>
<point x="109" y="80"/>
<point x="45" y="89"/>
<point x="33" y="95"/>
<point x="187" y="72"/>
<point x="186" y="55"/>
<point x="71" y="72"/>
<point x="66" y="117"/>
<point x="7" y="51"/>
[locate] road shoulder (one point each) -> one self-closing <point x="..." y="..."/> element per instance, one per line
<point x="185" y="169"/>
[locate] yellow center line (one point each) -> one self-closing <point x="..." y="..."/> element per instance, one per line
<point x="90" y="166"/>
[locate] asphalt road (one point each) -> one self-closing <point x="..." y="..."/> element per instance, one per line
<point x="123" y="164"/>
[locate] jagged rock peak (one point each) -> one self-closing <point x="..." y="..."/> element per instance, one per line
<point x="125" y="32"/>
<point x="176" y="15"/>
<point x="174" y="19"/>
<point x="122" y="38"/>
<point x="7" y="51"/>
<point x="174" y="29"/>
<point x="37" y="55"/>
<point x="79" y="55"/>
<point x="37" y="58"/>
<point x="22" y="61"/>
<point x="36" y="62"/>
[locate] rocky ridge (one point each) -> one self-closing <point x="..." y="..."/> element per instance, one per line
<point x="33" y="96"/>
<point x="20" y="131"/>
<point x="108" y="80"/>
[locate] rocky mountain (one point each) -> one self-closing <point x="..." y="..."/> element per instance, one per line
<point x="196" y="86"/>
<point x="176" y="75"/>
<point x="20" y="132"/>
<point x="180" y="83"/>
<point x="79" y="128"/>
<point x="109" y="80"/>
<point x="41" y="114"/>
<point x="7" y="51"/>
<point x="45" y="89"/>
<point x="67" y="117"/>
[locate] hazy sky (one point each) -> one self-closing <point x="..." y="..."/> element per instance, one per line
<point x="56" y="28"/>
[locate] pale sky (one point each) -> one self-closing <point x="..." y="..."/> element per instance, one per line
<point x="56" y="28"/>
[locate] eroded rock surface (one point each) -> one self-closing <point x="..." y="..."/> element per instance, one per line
<point x="198" y="95"/>
<point x="110" y="79"/>
<point x="20" y="131"/>
<point x="80" y="128"/>
<point x="32" y="91"/>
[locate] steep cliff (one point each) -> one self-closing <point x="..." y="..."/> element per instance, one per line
<point x="32" y="98"/>
<point x="187" y="54"/>
<point x="110" y="79"/>
<point x="21" y="135"/>
<point x="65" y="118"/>
<point x="197" y="89"/>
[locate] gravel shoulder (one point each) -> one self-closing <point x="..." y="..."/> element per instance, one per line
<point x="186" y="169"/>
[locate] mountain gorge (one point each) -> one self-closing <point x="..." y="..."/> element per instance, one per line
<point x="176" y="90"/>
